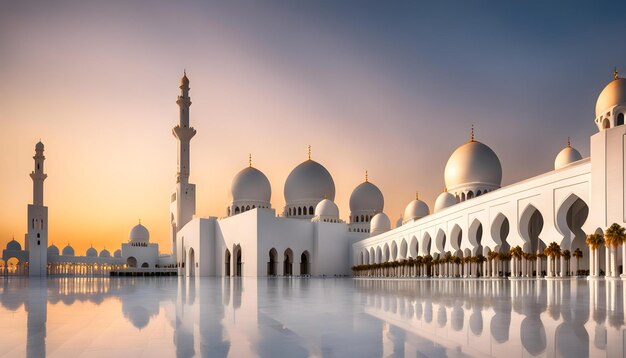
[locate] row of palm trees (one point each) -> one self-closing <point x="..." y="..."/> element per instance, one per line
<point x="614" y="237"/>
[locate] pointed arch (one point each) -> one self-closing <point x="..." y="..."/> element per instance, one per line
<point x="456" y="235"/>
<point x="570" y="218"/>
<point x="414" y="247"/>
<point x="440" y="241"/>
<point x="500" y="233"/>
<point x="530" y="227"/>
<point x="386" y="253"/>
<point x="404" y="249"/>
<point x="393" y="251"/>
<point x="475" y="233"/>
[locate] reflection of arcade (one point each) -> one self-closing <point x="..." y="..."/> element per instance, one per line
<point x="494" y="317"/>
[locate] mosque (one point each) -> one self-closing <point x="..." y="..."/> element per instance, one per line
<point x="473" y="217"/>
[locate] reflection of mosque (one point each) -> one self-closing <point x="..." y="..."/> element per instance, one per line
<point x="241" y="317"/>
<point x="498" y="318"/>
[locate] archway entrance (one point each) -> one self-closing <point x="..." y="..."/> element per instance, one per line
<point x="238" y="264"/>
<point x="227" y="263"/>
<point x="304" y="264"/>
<point x="272" y="265"/>
<point x="288" y="263"/>
<point x="131" y="262"/>
<point x="145" y="265"/>
<point x="192" y="263"/>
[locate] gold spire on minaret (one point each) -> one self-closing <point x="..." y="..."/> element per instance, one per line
<point x="250" y="160"/>
<point x="417" y="196"/>
<point x="472" y="134"/>
<point x="309" y="152"/>
<point x="615" y="74"/>
<point x="366" y="177"/>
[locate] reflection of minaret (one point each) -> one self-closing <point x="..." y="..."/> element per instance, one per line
<point x="37" y="316"/>
<point x="37" y="237"/>
<point x="183" y="199"/>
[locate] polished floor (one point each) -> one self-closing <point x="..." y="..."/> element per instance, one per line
<point x="248" y="317"/>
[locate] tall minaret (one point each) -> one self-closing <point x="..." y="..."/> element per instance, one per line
<point x="183" y="199"/>
<point x="37" y="236"/>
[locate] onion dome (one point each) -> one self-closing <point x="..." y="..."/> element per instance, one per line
<point x="613" y="94"/>
<point x="307" y="185"/>
<point x="68" y="250"/>
<point x="117" y="254"/>
<point x="327" y="210"/>
<point x="105" y="254"/>
<point x="566" y="156"/>
<point x="473" y="167"/>
<point x="399" y="222"/>
<point x="251" y="186"/>
<point x="184" y="81"/>
<point x="53" y="250"/>
<point x="39" y="146"/>
<point x="91" y="252"/>
<point x="416" y="209"/>
<point x="14" y="245"/>
<point x="444" y="200"/>
<point x="379" y="224"/>
<point x="139" y="234"/>
<point x="366" y="198"/>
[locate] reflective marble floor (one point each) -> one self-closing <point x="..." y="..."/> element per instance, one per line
<point x="247" y="317"/>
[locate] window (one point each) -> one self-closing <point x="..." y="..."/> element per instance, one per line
<point x="620" y="119"/>
<point x="311" y="210"/>
<point x="38" y="235"/>
<point x="299" y="211"/>
<point x="38" y="241"/>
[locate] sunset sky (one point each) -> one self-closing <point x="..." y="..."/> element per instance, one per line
<point x="391" y="87"/>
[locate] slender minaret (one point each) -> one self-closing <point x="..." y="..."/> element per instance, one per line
<point x="183" y="199"/>
<point x="37" y="236"/>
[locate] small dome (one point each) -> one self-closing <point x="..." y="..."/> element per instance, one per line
<point x="39" y="146"/>
<point x="444" y="200"/>
<point x="309" y="182"/>
<point x="117" y="253"/>
<point x="366" y="197"/>
<point x="473" y="164"/>
<point x="14" y="245"/>
<point x="613" y="94"/>
<point x="139" y="234"/>
<point x="566" y="156"/>
<point x="184" y="81"/>
<point x="379" y="224"/>
<point x="327" y="209"/>
<point x="399" y="222"/>
<point x="416" y="209"/>
<point x="91" y="252"/>
<point x="53" y="250"/>
<point x="105" y="254"/>
<point x="68" y="250"/>
<point x="251" y="185"/>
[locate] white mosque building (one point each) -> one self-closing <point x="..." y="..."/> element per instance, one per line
<point x="473" y="217"/>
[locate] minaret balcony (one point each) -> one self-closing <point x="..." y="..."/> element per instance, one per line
<point x="183" y="133"/>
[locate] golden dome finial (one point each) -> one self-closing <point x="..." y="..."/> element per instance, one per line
<point x="325" y="196"/>
<point x="140" y="221"/>
<point x="569" y="143"/>
<point x="250" y="160"/>
<point x="445" y="190"/>
<point x="309" y="152"/>
<point x="472" y="134"/>
<point x="417" y="196"/>
<point x="366" y="176"/>
<point x="615" y="74"/>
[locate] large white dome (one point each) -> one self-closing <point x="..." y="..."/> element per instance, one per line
<point x="53" y="250"/>
<point x="613" y="94"/>
<point x="473" y="165"/>
<point x="366" y="197"/>
<point x="309" y="182"/>
<point x="91" y="252"/>
<point x="68" y="250"/>
<point x="139" y="234"/>
<point x="379" y="224"/>
<point x="444" y="200"/>
<point x="416" y="209"/>
<point x="251" y="185"/>
<point x="566" y="156"/>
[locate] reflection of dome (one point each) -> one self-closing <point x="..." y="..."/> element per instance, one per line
<point x="366" y="198"/>
<point x="444" y="200"/>
<point x="14" y="245"/>
<point x="566" y="156"/>
<point x="68" y="250"/>
<point x="473" y="166"/>
<point x="613" y="94"/>
<point x="117" y="253"/>
<point x="53" y="250"/>
<point x="380" y="223"/>
<point x="105" y="254"/>
<point x="306" y="186"/>
<point x="416" y="209"/>
<point x="251" y="185"/>
<point x="91" y="252"/>
<point x="326" y="209"/>
<point x="139" y="234"/>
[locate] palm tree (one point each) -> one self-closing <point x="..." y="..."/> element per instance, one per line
<point x="614" y="236"/>
<point x="553" y="251"/>
<point x="578" y="255"/>
<point x="428" y="260"/>
<point x="504" y="257"/>
<point x="540" y="257"/>
<point x="516" y="252"/>
<point x="493" y="256"/>
<point x="594" y="241"/>
<point x="566" y="256"/>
